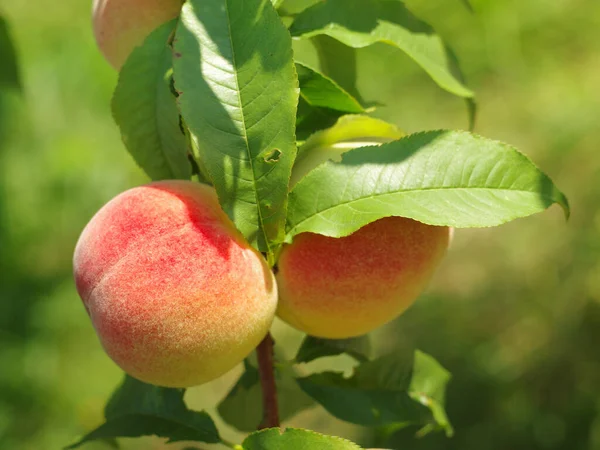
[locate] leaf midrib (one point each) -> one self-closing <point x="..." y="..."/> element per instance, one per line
<point x="401" y="192"/>
<point x="245" y="129"/>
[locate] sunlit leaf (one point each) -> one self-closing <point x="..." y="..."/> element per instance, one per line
<point x="360" y="23"/>
<point x="440" y="178"/>
<point x="291" y="7"/>
<point x="146" y="111"/>
<point x="428" y="387"/>
<point x="338" y="61"/>
<point x="320" y="91"/>
<point x="348" y="132"/>
<point x="238" y="95"/>
<point x="322" y="102"/>
<point x="295" y="439"/>
<point x="311" y="119"/>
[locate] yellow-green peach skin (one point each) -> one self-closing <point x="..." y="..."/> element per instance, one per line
<point x="122" y="25"/>
<point x="175" y="293"/>
<point x="340" y="288"/>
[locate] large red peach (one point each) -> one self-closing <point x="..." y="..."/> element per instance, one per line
<point x="122" y="25"/>
<point x="175" y="293"/>
<point x="340" y="288"/>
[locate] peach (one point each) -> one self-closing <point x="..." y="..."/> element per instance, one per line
<point x="122" y="25"/>
<point x="338" y="288"/>
<point x="176" y="294"/>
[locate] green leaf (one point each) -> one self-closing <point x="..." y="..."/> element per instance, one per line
<point x="242" y="407"/>
<point x="377" y="394"/>
<point x="238" y="96"/>
<point x="9" y="71"/>
<point x="350" y="128"/>
<point x="311" y="119"/>
<point x="320" y="91"/>
<point x="322" y="102"/>
<point x="360" y="23"/>
<point x="338" y="62"/>
<point x="428" y="387"/>
<point x="396" y="389"/>
<point x="293" y="7"/>
<point x="313" y="348"/>
<point x="146" y="111"/>
<point x="349" y="132"/>
<point x="469" y="101"/>
<point x="448" y="178"/>
<point x="295" y="439"/>
<point x="468" y="5"/>
<point x="140" y="409"/>
<point x="292" y="399"/>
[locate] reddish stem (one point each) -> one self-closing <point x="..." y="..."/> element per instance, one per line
<point x="266" y="369"/>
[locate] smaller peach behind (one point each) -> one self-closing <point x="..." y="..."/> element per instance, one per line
<point x="175" y="293"/>
<point x="340" y="288"/>
<point x="122" y="25"/>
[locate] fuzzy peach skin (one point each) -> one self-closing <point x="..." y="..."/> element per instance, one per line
<point x="175" y="293"/>
<point x="122" y="25"/>
<point x="340" y="288"/>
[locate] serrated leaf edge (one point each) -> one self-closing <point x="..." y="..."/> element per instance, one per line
<point x="562" y="199"/>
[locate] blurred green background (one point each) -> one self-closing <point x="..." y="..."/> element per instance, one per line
<point x="513" y="313"/>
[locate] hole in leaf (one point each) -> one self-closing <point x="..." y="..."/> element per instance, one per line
<point x="273" y="156"/>
<point x="194" y="164"/>
<point x="174" y="92"/>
